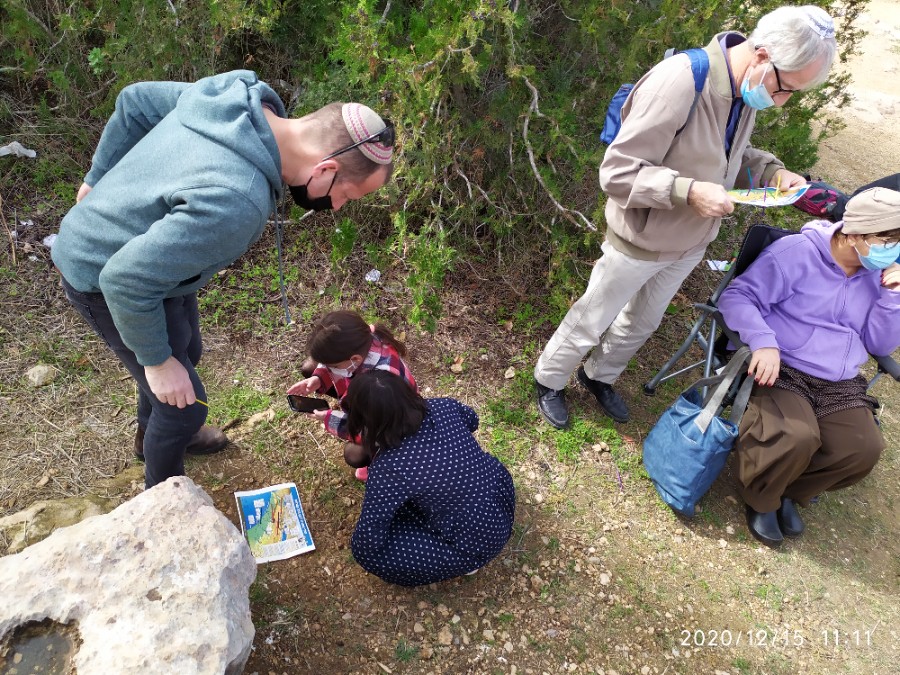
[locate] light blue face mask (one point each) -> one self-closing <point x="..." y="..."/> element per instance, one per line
<point x="758" y="97"/>
<point x="880" y="256"/>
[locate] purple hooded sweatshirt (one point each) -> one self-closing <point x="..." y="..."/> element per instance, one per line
<point x="796" y="298"/>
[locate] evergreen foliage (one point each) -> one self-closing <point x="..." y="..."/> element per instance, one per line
<point x="498" y="104"/>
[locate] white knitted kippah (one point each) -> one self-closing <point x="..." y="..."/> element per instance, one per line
<point x="362" y="122"/>
<point x="820" y="21"/>
<point x="872" y="211"/>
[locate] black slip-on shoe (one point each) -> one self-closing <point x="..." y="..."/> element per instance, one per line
<point x="789" y="519"/>
<point x="764" y="527"/>
<point x="552" y="405"/>
<point x="207" y="441"/>
<point x="610" y="402"/>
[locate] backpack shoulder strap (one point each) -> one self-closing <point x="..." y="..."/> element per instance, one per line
<point x="700" y="69"/>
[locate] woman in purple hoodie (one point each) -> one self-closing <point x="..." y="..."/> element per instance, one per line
<point x="811" y="308"/>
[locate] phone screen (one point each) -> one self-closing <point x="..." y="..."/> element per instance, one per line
<point x="306" y="404"/>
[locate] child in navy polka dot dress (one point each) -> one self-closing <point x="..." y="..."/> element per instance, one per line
<point x="437" y="506"/>
<point x="341" y="345"/>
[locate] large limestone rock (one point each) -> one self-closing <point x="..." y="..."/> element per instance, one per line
<point x="159" y="585"/>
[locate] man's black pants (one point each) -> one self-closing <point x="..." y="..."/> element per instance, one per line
<point x="167" y="428"/>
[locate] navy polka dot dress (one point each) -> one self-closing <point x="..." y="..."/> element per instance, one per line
<point x="437" y="506"/>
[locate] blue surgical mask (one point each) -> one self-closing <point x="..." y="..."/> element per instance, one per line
<point x="880" y="256"/>
<point x="758" y="97"/>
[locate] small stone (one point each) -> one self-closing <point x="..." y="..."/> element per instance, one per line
<point x="600" y="447"/>
<point x="418" y="628"/>
<point x="261" y="417"/>
<point x="17" y="657"/>
<point x="445" y="637"/>
<point x="488" y="635"/>
<point x="604" y="579"/>
<point x="426" y="652"/>
<point x="41" y="375"/>
<point x="723" y="543"/>
<point x="455" y="619"/>
<point x="729" y="529"/>
<point x="442" y="610"/>
<point x="508" y="647"/>
<point x="510" y="373"/>
<point x="538" y="498"/>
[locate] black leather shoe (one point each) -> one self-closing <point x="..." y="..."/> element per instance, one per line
<point x="789" y="519"/>
<point x="611" y="403"/>
<point x="552" y="404"/>
<point x="764" y="527"/>
<point x="205" y="442"/>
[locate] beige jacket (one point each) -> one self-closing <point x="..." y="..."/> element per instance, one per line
<point x="648" y="170"/>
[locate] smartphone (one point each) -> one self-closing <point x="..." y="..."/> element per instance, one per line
<point x="306" y="404"/>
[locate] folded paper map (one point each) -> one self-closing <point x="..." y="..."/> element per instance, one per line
<point x="272" y="520"/>
<point x="768" y="196"/>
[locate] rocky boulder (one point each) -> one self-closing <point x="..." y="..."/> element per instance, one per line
<point x="159" y="585"/>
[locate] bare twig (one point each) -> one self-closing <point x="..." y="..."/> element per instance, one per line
<point x="566" y="213"/>
<point x="9" y="235"/>
<point x="387" y="8"/>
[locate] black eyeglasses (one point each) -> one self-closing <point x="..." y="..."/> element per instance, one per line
<point x="781" y="90"/>
<point x="385" y="137"/>
<point x="889" y="244"/>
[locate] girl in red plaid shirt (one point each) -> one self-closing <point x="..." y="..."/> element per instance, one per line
<point x="342" y="345"/>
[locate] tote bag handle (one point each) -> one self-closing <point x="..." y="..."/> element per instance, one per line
<point x="724" y="380"/>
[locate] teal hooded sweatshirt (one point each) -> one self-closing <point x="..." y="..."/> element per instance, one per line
<point x="184" y="179"/>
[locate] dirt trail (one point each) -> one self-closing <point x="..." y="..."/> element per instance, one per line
<point x="869" y="147"/>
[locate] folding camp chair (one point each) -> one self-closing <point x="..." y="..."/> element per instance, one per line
<point x="711" y="334"/>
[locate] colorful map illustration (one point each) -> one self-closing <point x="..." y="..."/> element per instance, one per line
<point x="273" y="522"/>
<point x="767" y="196"/>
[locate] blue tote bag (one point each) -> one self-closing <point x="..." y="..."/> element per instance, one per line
<point x="687" y="448"/>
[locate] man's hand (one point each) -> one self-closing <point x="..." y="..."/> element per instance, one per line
<point x="785" y="179"/>
<point x="764" y="365"/>
<point x="82" y="192"/>
<point x="710" y="200"/>
<point x="170" y="382"/>
<point x="305" y="387"/>
<point x="890" y="277"/>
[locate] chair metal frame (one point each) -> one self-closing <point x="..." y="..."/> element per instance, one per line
<point x="711" y="334"/>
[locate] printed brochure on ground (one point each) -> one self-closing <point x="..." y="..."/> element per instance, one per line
<point x="273" y="523"/>
<point x="767" y="196"/>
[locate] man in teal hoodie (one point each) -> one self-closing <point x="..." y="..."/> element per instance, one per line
<point x="181" y="184"/>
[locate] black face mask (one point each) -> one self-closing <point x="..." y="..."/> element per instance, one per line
<point x="304" y="201"/>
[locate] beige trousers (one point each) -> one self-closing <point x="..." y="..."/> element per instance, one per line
<point x="624" y="303"/>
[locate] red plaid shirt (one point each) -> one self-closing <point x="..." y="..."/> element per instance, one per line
<point x="381" y="356"/>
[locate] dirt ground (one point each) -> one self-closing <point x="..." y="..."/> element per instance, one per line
<point x="599" y="577"/>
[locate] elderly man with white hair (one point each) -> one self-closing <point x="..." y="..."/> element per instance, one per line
<point x="182" y="183"/>
<point x="666" y="175"/>
<point x="812" y="308"/>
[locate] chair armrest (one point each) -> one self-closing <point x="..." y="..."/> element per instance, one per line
<point x="887" y="364"/>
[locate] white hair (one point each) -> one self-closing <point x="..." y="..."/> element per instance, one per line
<point x="796" y="37"/>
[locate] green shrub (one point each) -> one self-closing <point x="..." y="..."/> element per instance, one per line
<point x="498" y="104"/>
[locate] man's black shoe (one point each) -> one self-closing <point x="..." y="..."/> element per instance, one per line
<point x="552" y="404"/>
<point x="611" y="403"/>
<point x="207" y="441"/>
<point x="764" y="527"/>
<point x="789" y="519"/>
